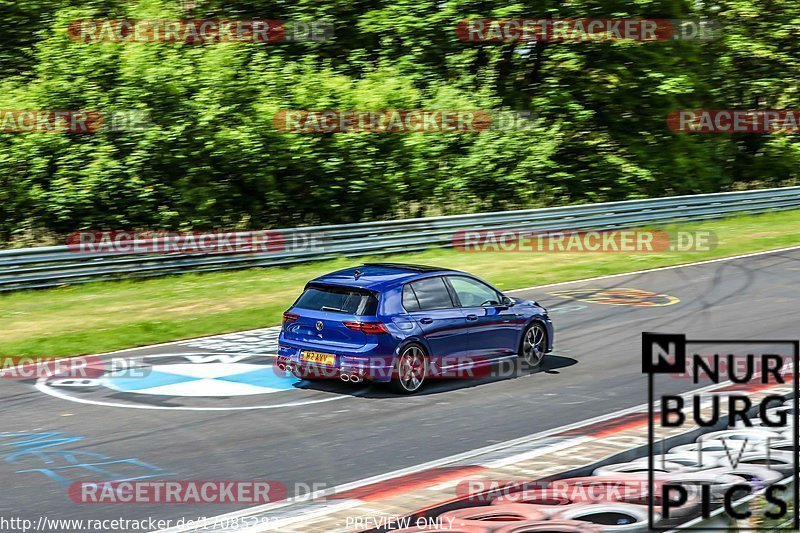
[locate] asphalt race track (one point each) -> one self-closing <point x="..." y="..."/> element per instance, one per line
<point x="162" y="427"/>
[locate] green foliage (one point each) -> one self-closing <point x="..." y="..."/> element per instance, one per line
<point x="213" y="159"/>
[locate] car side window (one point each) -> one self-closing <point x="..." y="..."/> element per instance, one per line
<point x="473" y="293"/>
<point x="431" y="293"/>
<point x="410" y="302"/>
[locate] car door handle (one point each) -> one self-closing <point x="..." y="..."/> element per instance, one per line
<point x="426" y="320"/>
<point x="472" y="317"/>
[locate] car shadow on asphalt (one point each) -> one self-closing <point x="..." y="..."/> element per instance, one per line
<point x="552" y="364"/>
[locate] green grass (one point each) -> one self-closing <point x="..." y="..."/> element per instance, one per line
<point x="98" y="317"/>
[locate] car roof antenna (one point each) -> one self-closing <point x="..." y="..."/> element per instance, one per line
<point x="357" y="274"/>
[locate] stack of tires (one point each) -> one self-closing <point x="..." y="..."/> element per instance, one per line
<point x="616" y="498"/>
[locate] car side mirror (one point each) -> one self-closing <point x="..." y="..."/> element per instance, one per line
<point x="508" y="301"/>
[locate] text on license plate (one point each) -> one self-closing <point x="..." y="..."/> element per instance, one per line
<point x="317" y="357"/>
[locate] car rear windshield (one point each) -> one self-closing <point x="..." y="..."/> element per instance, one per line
<point x="347" y="300"/>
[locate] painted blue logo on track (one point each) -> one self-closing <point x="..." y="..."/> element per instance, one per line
<point x="207" y="379"/>
<point x="190" y="381"/>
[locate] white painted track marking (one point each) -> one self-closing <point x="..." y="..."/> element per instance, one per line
<point x="460" y="457"/>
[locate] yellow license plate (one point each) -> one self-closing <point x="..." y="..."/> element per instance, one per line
<point x="317" y="357"/>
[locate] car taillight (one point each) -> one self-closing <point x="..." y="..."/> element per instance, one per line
<point x="289" y="317"/>
<point x="370" y="328"/>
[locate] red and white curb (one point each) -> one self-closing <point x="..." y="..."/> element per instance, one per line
<point x="384" y="499"/>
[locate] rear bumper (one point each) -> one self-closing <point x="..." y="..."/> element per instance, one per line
<point x="369" y="365"/>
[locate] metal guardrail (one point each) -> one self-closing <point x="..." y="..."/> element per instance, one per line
<point x="49" y="266"/>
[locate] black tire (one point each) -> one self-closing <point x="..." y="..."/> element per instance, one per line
<point x="533" y="346"/>
<point x="410" y="369"/>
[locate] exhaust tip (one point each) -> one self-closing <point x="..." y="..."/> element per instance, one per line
<point x="355" y="378"/>
<point x="345" y="377"/>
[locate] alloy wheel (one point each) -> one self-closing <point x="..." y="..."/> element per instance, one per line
<point x="411" y="368"/>
<point x="533" y="345"/>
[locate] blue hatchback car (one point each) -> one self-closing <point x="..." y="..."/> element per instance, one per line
<point x="403" y="324"/>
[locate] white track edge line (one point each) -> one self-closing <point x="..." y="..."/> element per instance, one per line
<point x="657" y="269"/>
<point x="433" y="464"/>
<point x="671" y="267"/>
